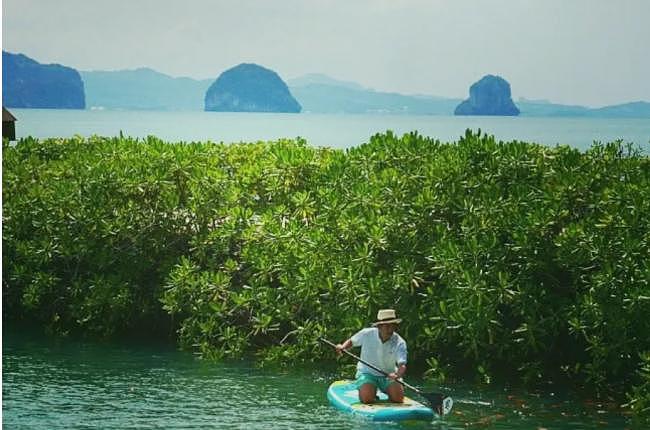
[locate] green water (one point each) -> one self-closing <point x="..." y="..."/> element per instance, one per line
<point x="63" y="384"/>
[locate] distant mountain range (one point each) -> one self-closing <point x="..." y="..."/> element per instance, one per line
<point x="147" y="89"/>
<point x="143" y="89"/>
<point x="543" y="108"/>
<point x="322" y="94"/>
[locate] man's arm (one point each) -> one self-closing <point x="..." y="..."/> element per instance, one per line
<point x="355" y="340"/>
<point x="401" y="361"/>
<point x="343" y="346"/>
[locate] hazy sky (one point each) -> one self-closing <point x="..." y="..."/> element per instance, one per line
<point x="588" y="52"/>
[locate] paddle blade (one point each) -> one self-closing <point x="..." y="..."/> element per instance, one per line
<point x="447" y="404"/>
<point x="439" y="403"/>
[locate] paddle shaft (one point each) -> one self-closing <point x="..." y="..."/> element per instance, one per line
<point x="407" y="385"/>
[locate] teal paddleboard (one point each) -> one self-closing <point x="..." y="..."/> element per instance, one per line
<point x="344" y="395"/>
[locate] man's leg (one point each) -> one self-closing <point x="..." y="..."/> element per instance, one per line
<point x="395" y="392"/>
<point x="367" y="393"/>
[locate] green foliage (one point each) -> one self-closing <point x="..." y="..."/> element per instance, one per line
<point x="503" y="257"/>
<point x="640" y="395"/>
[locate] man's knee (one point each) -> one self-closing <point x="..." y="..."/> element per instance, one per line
<point x="367" y="393"/>
<point x="396" y="393"/>
<point x="397" y="398"/>
<point x="367" y="399"/>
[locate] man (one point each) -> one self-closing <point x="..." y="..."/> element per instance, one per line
<point x="382" y="347"/>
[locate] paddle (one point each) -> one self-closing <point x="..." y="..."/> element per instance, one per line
<point x="437" y="401"/>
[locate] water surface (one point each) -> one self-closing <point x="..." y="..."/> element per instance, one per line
<point x="65" y="384"/>
<point x="331" y="130"/>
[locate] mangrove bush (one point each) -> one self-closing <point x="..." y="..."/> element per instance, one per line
<point x="504" y="258"/>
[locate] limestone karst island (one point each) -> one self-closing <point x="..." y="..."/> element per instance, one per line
<point x="489" y="96"/>
<point x="250" y="88"/>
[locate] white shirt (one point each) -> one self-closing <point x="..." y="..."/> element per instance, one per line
<point x="384" y="355"/>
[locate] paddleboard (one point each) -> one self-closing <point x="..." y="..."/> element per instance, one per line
<point x="344" y="396"/>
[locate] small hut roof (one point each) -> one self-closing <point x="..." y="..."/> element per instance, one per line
<point x="7" y="116"/>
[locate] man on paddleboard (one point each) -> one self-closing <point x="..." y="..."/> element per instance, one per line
<point x="382" y="347"/>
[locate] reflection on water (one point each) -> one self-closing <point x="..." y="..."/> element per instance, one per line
<point x="63" y="384"/>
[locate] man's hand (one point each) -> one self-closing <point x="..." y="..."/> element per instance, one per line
<point x="401" y="370"/>
<point x="343" y="346"/>
<point x="394" y="376"/>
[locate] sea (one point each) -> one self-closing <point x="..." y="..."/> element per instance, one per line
<point x="61" y="383"/>
<point x="324" y="130"/>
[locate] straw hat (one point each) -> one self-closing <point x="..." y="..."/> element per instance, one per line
<point x="386" y="316"/>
